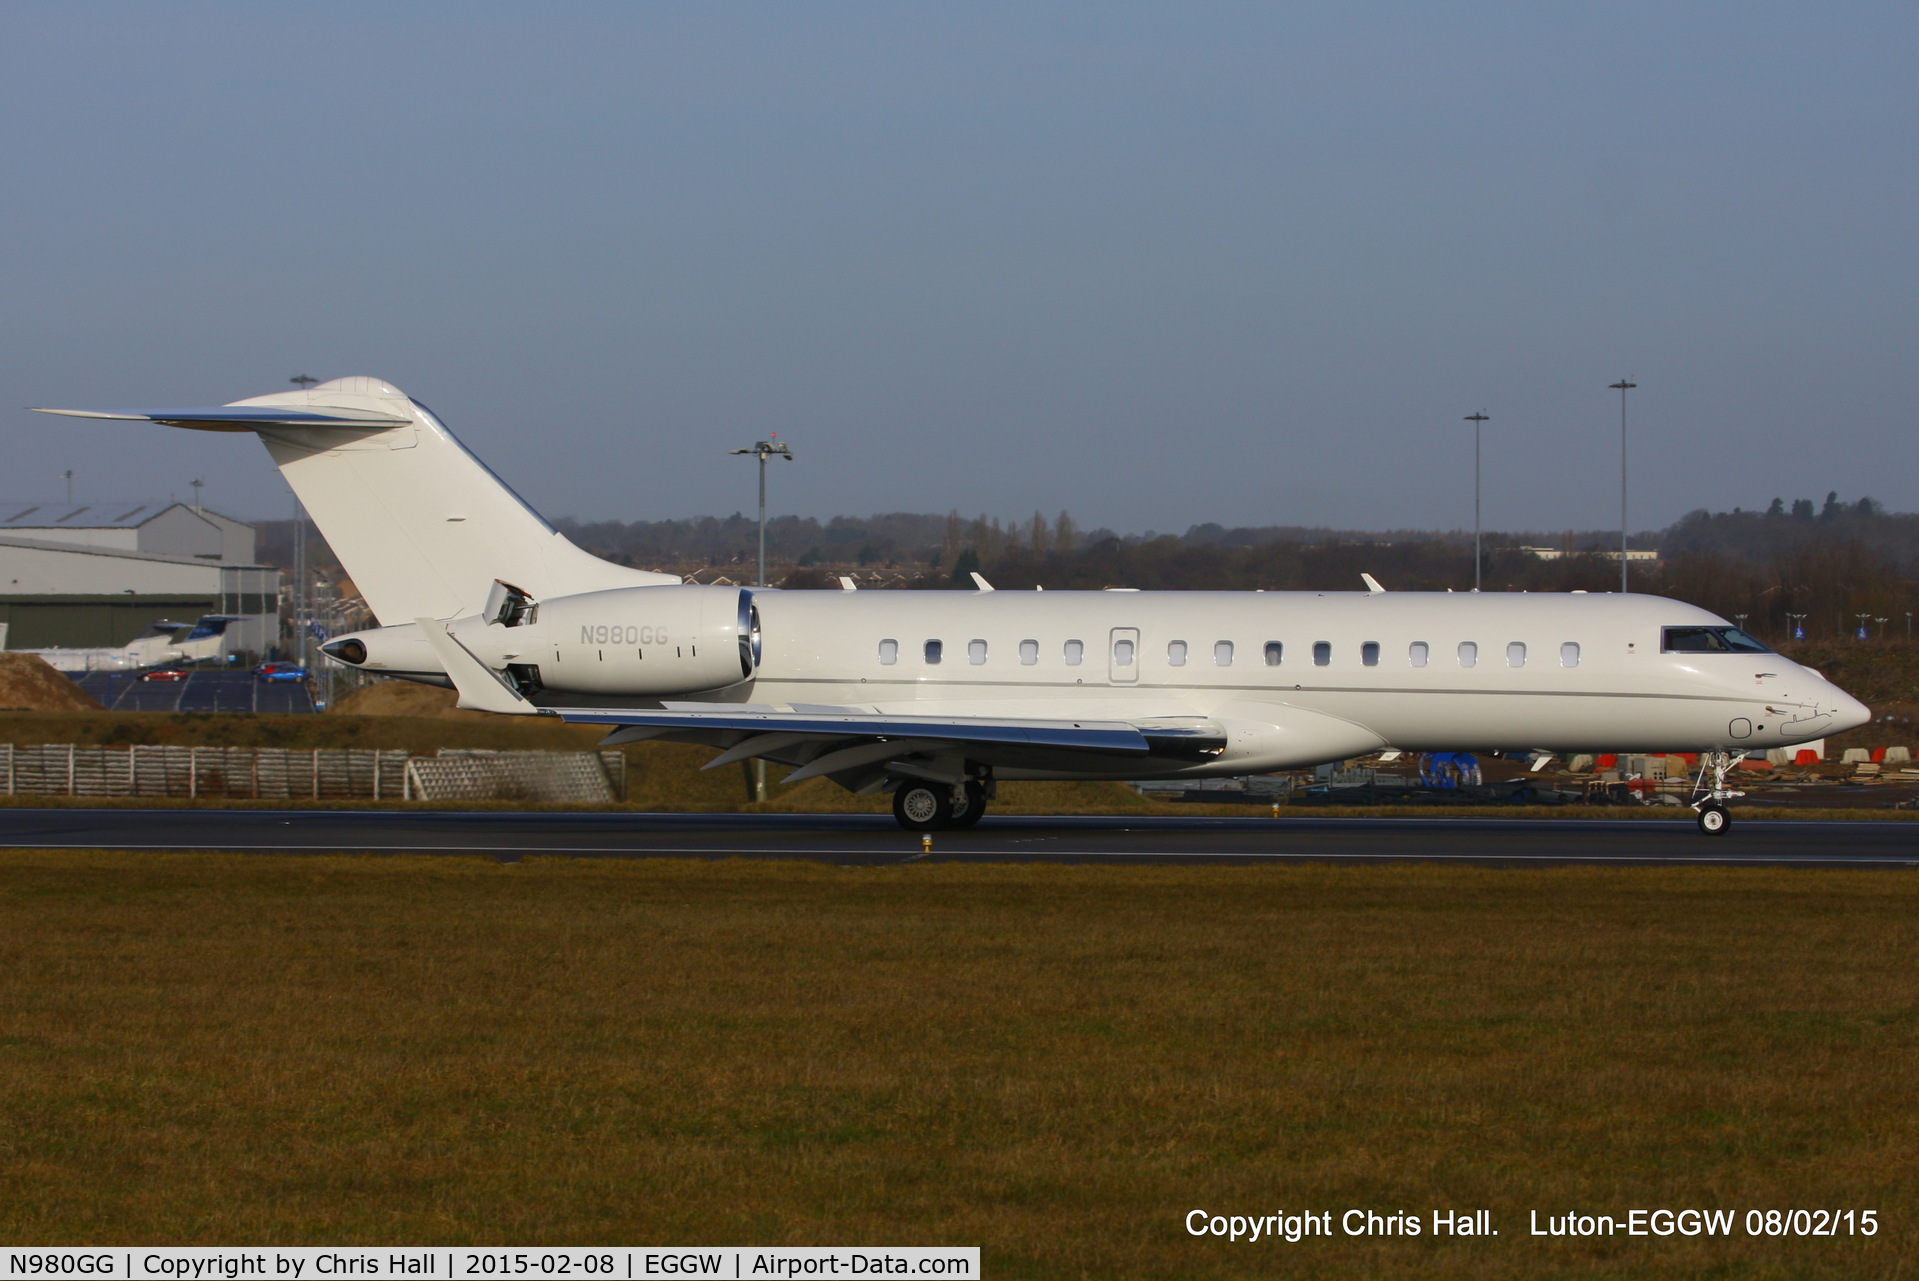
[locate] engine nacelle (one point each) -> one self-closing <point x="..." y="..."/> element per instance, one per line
<point x="645" y="641"/>
<point x="680" y="639"/>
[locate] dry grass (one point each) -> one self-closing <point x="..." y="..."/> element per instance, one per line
<point x="1056" y="1063"/>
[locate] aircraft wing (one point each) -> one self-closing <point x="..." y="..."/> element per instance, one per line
<point x="832" y="740"/>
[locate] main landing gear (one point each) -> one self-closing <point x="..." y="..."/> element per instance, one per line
<point x="921" y="806"/>
<point x="1709" y="800"/>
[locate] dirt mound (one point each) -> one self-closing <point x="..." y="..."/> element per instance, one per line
<point x="29" y="684"/>
<point x="403" y="698"/>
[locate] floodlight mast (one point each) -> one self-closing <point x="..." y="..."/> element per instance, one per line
<point x="763" y="450"/>
<point x="1623" y="386"/>
<point x="1476" y="420"/>
<point x="302" y="599"/>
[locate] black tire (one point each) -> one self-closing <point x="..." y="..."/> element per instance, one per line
<point x="1713" y="819"/>
<point x="923" y="807"/>
<point x="973" y="809"/>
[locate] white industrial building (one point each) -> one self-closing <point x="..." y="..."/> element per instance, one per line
<point x="96" y="574"/>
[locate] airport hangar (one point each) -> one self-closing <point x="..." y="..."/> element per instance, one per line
<point x="93" y="575"/>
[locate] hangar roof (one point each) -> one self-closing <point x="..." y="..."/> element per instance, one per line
<point x="122" y="515"/>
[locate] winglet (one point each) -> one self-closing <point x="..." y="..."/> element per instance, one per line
<point x="480" y="687"/>
<point x="1372" y="585"/>
<point x="981" y="583"/>
<point x="847" y="584"/>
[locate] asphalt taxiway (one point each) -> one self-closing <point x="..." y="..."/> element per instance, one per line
<point x="870" y="839"/>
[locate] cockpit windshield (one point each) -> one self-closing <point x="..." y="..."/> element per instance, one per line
<point x="1709" y="640"/>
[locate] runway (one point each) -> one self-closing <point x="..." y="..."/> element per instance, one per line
<point x="874" y="840"/>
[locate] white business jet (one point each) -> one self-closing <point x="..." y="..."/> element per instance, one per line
<point x="162" y="644"/>
<point x="937" y="696"/>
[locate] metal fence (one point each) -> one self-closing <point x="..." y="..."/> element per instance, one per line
<point x="585" y="777"/>
<point x="280" y="773"/>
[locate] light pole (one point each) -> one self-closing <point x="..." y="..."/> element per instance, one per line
<point x="67" y="476"/>
<point x="1863" y="633"/>
<point x="763" y="450"/>
<point x="299" y="601"/>
<point x="1476" y="420"/>
<point x="301" y="598"/>
<point x="1797" y="622"/>
<point x="1623" y="386"/>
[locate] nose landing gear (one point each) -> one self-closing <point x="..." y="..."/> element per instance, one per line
<point x="1709" y="800"/>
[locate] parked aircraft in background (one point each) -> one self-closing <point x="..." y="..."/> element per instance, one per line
<point x="162" y="644"/>
<point x="938" y="696"/>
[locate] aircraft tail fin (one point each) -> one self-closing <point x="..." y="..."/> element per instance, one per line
<point x="422" y="526"/>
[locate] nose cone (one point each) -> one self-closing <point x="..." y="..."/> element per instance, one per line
<point x="1848" y="712"/>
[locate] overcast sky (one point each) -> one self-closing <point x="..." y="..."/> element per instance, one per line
<point x="1157" y="264"/>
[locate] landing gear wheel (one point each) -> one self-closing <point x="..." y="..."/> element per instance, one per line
<point x="971" y="810"/>
<point x="1713" y="819"/>
<point x="923" y="807"/>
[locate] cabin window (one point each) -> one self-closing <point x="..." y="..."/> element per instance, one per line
<point x="1274" y="650"/>
<point x="1028" y="653"/>
<point x="1516" y="654"/>
<point x="1122" y="653"/>
<point x="1322" y="653"/>
<point x="889" y="652"/>
<point x="1569" y="654"/>
<point x="1418" y="652"/>
<point x="1369" y="654"/>
<point x="976" y="652"/>
<point x="933" y="652"/>
<point x="1075" y="653"/>
<point x="1468" y="653"/>
<point x="1176" y="653"/>
<point x="1223" y="653"/>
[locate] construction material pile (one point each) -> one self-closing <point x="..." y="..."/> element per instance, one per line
<point x="29" y="684"/>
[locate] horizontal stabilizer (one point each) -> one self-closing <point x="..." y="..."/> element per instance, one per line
<point x="230" y="418"/>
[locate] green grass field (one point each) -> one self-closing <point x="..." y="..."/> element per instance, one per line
<point x="1055" y="1063"/>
